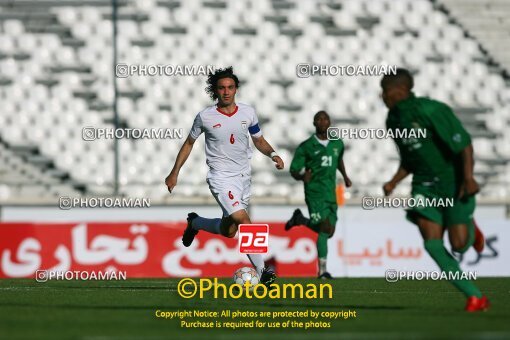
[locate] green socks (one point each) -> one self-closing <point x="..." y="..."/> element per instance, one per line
<point x="447" y="263"/>
<point x="322" y="245"/>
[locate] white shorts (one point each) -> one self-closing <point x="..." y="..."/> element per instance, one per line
<point x="231" y="193"/>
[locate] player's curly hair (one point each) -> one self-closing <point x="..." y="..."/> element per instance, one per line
<point x="212" y="80"/>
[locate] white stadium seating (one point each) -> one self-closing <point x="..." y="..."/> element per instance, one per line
<point x="56" y="78"/>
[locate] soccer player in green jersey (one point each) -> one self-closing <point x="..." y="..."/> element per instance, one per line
<point x="315" y="163"/>
<point x="442" y="167"/>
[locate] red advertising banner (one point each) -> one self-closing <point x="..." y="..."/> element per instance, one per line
<point x="144" y="250"/>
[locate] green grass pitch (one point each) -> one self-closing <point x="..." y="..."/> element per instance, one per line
<point x="126" y="310"/>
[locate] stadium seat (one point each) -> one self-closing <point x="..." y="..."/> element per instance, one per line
<point x="77" y="79"/>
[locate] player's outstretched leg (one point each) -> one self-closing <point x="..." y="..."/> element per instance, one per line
<point x="325" y="231"/>
<point x="322" y="239"/>
<point x="196" y="223"/>
<point x="432" y="233"/>
<point x="229" y="227"/>
<point x="476" y="301"/>
<point x="257" y="262"/>
<point x="462" y="237"/>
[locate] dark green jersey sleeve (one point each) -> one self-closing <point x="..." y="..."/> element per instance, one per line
<point x="403" y="162"/>
<point x="299" y="160"/>
<point x="448" y="128"/>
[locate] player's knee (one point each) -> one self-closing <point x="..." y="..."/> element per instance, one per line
<point x="459" y="245"/>
<point x="228" y="228"/>
<point x="240" y="217"/>
<point x="232" y="230"/>
<point x="459" y="239"/>
<point x="229" y="233"/>
<point x="325" y="227"/>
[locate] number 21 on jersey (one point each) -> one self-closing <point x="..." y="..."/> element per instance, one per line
<point x="327" y="160"/>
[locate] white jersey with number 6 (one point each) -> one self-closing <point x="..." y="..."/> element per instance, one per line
<point x="227" y="139"/>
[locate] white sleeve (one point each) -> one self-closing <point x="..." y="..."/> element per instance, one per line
<point x="254" y="127"/>
<point x="197" y="127"/>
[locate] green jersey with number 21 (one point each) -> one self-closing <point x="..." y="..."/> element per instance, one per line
<point x="323" y="162"/>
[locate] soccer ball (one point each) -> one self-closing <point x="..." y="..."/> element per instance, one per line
<point x="246" y="274"/>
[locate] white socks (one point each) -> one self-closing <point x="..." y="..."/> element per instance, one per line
<point x="322" y="266"/>
<point x="211" y="225"/>
<point x="257" y="262"/>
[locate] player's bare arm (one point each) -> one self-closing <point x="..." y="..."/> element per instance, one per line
<point x="388" y="187"/>
<point x="469" y="186"/>
<point x="263" y="146"/>
<point x="341" y="167"/>
<point x="182" y="156"/>
<point x="304" y="176"/>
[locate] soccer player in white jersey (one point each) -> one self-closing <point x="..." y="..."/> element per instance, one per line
<point x="227" y="126"/>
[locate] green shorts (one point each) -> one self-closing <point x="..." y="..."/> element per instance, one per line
<point x="440" y="208"/>
<point x="321" y="210"/>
